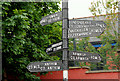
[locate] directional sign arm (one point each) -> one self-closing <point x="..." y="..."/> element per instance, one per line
<point x="51" y="18"/>
<point x="54" y="48"/>
<point x="45" y="66"/>
<point x="85" y="28"/>
<point x="84" y="56"/>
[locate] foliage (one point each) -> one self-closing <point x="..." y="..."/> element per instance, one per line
<point x="24" y="39"/>
<point x="107" y="51"/>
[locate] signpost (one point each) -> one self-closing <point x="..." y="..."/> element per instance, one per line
<point x="54" y="47"/>
<point x="45" y="66"/>
<point x="85" y="28"/>
<point x="70" y="29"/>
<point x="84" y="56"/>
<point x="51" y="18"/>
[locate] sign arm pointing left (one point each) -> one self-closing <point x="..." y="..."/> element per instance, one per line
<point x="51" y="18"/>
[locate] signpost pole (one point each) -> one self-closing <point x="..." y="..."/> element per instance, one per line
<point x="65" y="27"/>
<point x="74" y="45"/>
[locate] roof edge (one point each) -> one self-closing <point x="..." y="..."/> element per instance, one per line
<point x="94" y="16"/>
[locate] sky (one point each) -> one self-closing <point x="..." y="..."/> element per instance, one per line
<point x="79" y="8"/>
